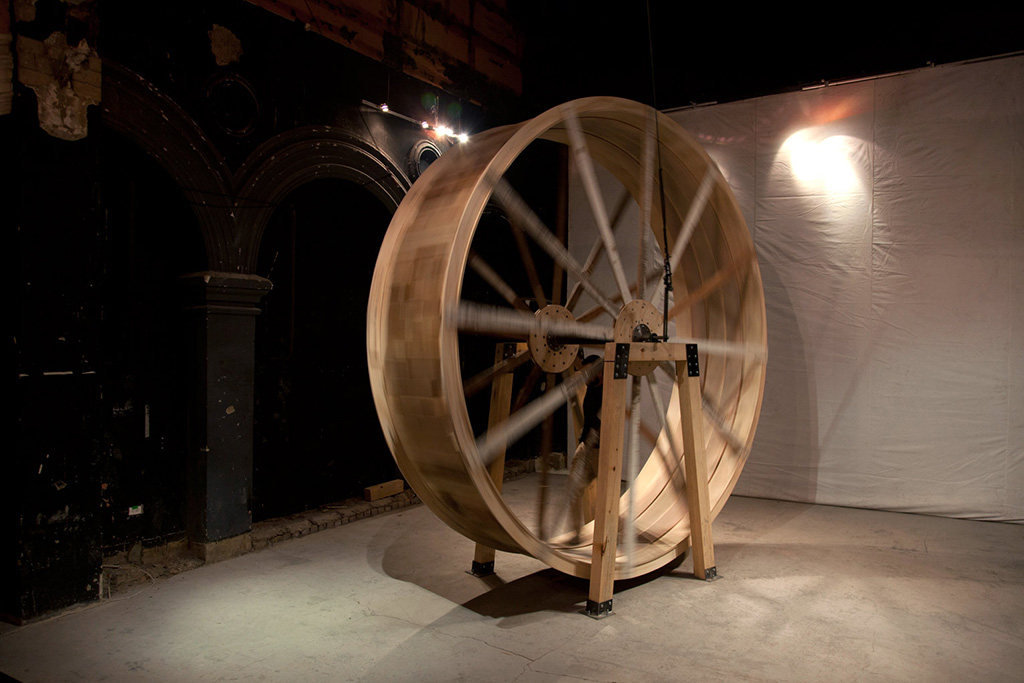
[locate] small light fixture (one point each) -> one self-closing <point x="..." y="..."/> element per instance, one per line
<point x="445" y="130"/>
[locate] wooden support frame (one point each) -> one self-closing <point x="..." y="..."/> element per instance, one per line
<point x="501" y="405"/>
<point x="695" y="466"/>
<point x="606" y="521"/>
<point x="606" y="506"/>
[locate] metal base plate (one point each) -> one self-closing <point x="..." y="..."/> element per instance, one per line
<point x="480" y="569"/>
<point x="598" y="610"/>
<point x="711" y="574"/>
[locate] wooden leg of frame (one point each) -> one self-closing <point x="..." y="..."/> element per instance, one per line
<point x="501" y="405"/>
<point x="609" y="475"/>
<point x="696" y="468"/>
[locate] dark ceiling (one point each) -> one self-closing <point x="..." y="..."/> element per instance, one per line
<point x="714" y="52"/>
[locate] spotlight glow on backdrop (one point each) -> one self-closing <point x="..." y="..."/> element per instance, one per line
<point x="825" y="162"/>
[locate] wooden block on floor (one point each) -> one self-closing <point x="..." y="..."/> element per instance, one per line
<point x="388" y="488"/>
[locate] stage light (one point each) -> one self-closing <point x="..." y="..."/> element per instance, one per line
<point x="446" y="131"/>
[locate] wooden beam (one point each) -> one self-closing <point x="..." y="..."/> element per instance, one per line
<point x="696" y="468"/>
<point x="501" y="403"/>
<point x="609" y="469"/>
<point x="737" y="266"/>
<point x="388" y="488"/>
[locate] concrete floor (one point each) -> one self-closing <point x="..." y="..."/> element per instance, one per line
<point x="809" y="593"/>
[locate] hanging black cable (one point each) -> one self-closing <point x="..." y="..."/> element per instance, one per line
<point x="661" y="185"/>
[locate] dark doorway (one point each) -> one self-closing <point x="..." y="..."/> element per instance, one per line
<point x="317" y="436"/>
<point x="151" y="239"/>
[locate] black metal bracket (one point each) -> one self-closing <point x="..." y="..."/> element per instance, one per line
<point x="621" y="361"/>
<point x="481" y="569"/>
<point x="508" y="350"/>
<point x="711" y="573"/>
<point x="598" y="610"/>
<point x="692" y="362"/>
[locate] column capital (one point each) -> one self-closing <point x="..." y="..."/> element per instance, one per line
<point x="224" y="292"/>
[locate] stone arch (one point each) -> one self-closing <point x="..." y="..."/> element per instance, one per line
<point x="138" y="110"/>
<point x="297" y="157"/>
<point x="232" y="209"/>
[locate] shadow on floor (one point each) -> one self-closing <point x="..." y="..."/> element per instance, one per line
<point x="548" y="590"/>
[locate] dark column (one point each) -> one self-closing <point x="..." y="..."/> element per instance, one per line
<point x="223" y="308"/>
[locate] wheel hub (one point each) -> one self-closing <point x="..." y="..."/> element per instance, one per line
<point x="547" y="351"/>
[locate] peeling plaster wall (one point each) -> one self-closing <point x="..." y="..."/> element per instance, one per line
<point x="225" y="45"/>
<point x="66" y="80"/>
<point x="55" y="57"/>
<point x="6" y="73"/>
<point x="25" y="10"/>
<point x="6" y="60"/>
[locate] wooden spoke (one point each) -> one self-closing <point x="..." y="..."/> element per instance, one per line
<point x="659" y="407"/>
<point x="510" y="200"/>
<point x="561" y="225"/>
<point x="669" y="459"/>
<point x="697" y="206"/>
<point x="716" y="347"/>
<point x="576" y="409"/>
<point x="591" y="314"/>
<point x="530" y="267"/>
<point x="531" y="415"/>
<point x="525" y="391"/>
<point x="595" y="253"/>
<point x="585" y="166"/>
<point x="547" y="427"/>
<point x="490" y="320"/>
<point x="736" y="267"/>
<point x="693" y="216"/>
<point x="597" y="311"/>
<point x="631" y="467"/>
<point x="493" y="321"/>
<point x="714" y="415"/>
<point x="647" y="433"/>
<point x="483" y="379"/>
<point x="588" y="266"/>
<point x="491" y="277"/>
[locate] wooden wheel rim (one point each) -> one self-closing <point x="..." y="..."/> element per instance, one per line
<point x="412" y="335"/>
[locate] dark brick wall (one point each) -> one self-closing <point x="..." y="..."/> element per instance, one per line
<point x="97" y="234"/>
<point x="52" y="475"/>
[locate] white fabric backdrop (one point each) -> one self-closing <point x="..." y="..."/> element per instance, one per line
<point x="889" y="221"/>
<point x="888" y="217"/>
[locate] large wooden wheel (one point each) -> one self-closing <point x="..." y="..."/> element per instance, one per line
<point x="428" y="321"/>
